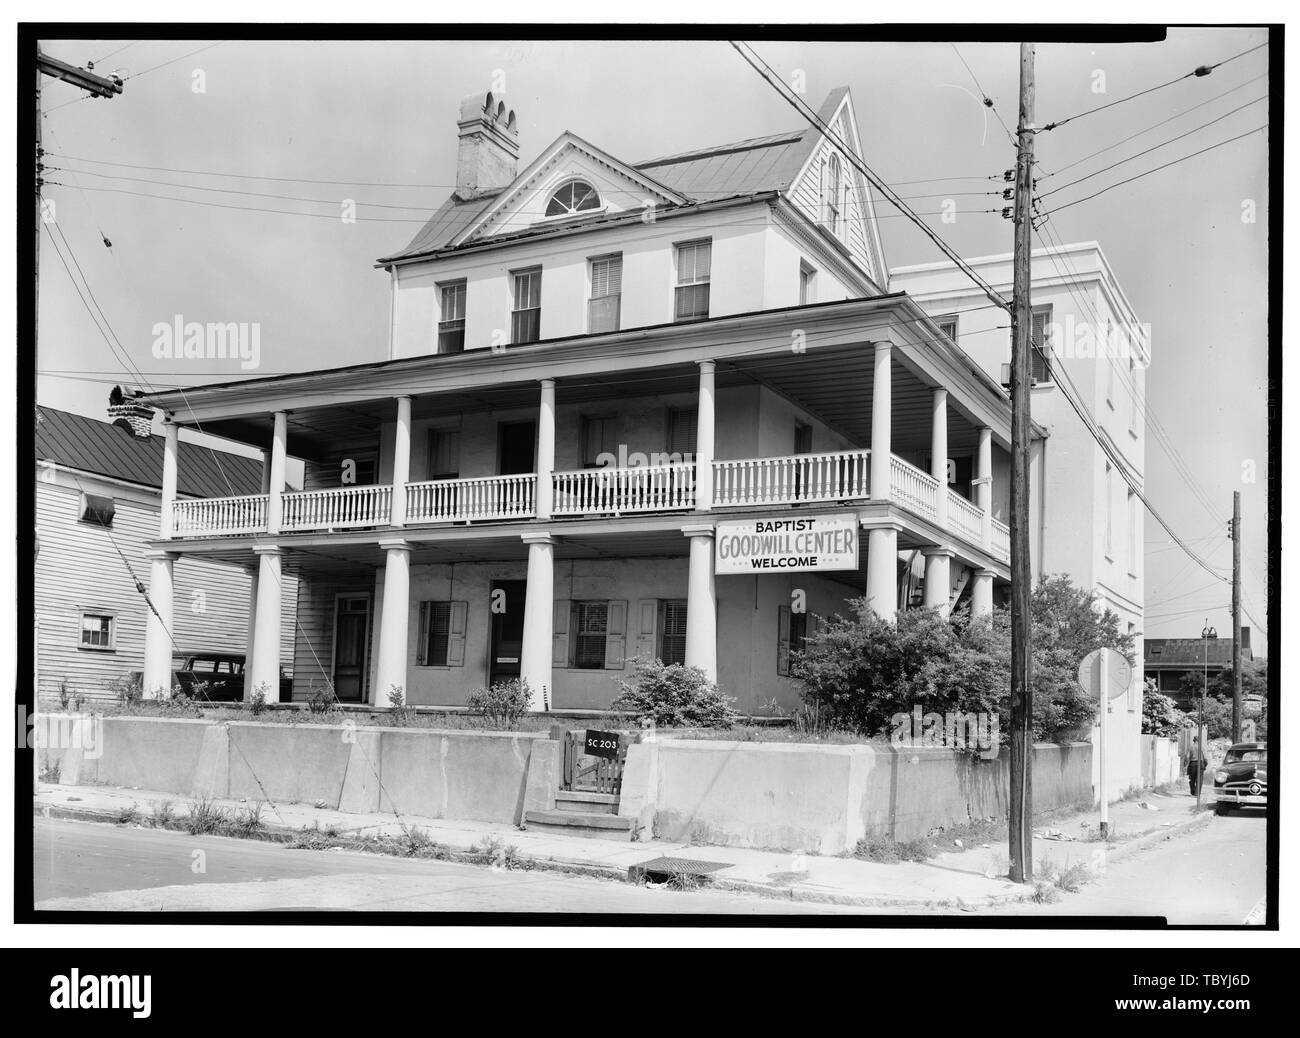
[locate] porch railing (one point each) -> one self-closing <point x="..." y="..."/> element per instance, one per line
<point x="642" y="488"/>
<point x="472" y="500"/>
<point x="1001" y="541"/>
<point x="965" y="518"/>
<point x="219" y="516"/>
<point x="338" y="508"/>
<point x="830" y="476"/>
<point x="916" y="490"/>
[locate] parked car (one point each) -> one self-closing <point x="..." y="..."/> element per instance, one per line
<point x="217" y="677"/>
<point x="1242" y="779"/>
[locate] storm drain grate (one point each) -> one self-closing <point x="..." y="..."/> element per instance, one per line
<point x="662" y="869"/>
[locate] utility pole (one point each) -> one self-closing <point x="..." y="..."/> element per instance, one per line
<point x="100" y="86"/>
<point x="1020" y="809"/>
<point x="1236" y="616"/>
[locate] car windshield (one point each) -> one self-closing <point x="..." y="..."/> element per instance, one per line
<point x="1259" y="756"/>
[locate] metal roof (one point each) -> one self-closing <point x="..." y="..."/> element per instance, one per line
<point x="1190" y="653"/>
<point x="104" y="449"/>
<point x="736" y="170"/>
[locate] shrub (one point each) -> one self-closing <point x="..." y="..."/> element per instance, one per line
<point x="1159" y="714"/>
<point x="322" y="701"/>
<point x="675" y="696"/>
<point x="502" y="705"/>
<point x="205" y="817"/>
<point x="129" y="689"/>
<point x="257" y="702"/>
<point x="398" y="712"/>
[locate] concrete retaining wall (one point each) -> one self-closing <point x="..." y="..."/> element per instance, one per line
<point x="475" y="776"/>
<point x="823" y="799"/>
<point x="1160" y="761"/>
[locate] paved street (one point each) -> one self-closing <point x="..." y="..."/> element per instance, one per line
<point x="86" y="866"/>
<point x="1215" y="875"/>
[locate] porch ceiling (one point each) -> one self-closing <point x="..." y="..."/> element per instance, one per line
<point x="834" y="384"/>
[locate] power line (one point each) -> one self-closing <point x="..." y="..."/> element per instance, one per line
<point x="988" y="101"/>
<point x="1200" y="70"/>
<point x="1148" y="172"/>
<point x="155" y="68"/>
<point x="802" y="108"/>
<point x="1154" y="126"/>
<point x="1154" y="147"/>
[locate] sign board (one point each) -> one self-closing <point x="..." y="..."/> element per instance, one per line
<point x="1118" y="673"/>
<point x="601" y="744"/>
<point x="811" y="543"/>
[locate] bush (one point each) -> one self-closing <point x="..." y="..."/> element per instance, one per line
<point x="674" y="696"/>
<point x="502" y="705"/>
<point x="257" y="702"/>
<point x="1159" y="714"/>
<point x="129" y="689"/>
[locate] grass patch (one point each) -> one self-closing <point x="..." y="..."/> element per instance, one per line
<point x="883" y="850"/>
<point x="128" y="815"/>
<point x="206" y="818"/>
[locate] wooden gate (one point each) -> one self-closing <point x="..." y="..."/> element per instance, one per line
<point x="584" y="772"/>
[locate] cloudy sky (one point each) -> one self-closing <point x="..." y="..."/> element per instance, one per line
<point x="317" y="123"/>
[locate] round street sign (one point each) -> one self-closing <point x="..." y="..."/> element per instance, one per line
<point x="1118" y="673"/>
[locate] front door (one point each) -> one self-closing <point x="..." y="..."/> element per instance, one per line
<point x="351" y="634"/>
<point x="518" y="446"/>
<point x="507" y="629"/>
<point x="802" y="445"/>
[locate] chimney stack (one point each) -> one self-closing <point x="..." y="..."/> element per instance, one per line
<point x="488" y="157"/>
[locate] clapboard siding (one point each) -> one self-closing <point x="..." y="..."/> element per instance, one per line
<point x="327" y="472"/>
<point x="79" y="568"/>
<point x="313" y="655"/>
<point x="806" y="195"/>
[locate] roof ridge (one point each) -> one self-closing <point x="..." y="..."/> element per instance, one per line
<point x="749" y="144"/>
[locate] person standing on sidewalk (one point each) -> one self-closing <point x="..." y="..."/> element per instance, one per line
<point x="1196" y="764"/>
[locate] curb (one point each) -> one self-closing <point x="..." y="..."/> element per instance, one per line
<point x="1196" y="821"/>
<point x="570" y="866"/>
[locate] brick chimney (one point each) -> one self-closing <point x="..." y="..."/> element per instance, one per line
<point x="488" y="157"/>
<point x="131" y="414"/>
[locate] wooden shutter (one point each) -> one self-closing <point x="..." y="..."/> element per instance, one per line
<point x="616" y="636"/>
<point x="457" y="623"/>
<point x="647" y="632"/>
<point x="422" y="646"/>
<point x="560" y="633"/>
<point x="783" y="640"/>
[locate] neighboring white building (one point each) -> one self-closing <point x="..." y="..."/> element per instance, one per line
<point x="1088" y="521"/>
<point x="598" y="371"/>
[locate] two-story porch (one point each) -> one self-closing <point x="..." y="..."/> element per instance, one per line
<point x="473" y="516"/>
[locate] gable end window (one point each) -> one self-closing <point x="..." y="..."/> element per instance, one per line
<point x="833" y="200"/>
<point x="577" y="196"/>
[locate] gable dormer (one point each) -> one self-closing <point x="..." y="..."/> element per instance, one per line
<point x="570" y="181"/>
<point x="831" y="192"/>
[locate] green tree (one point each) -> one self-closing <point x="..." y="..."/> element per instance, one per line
<point x="1160" y="715"/>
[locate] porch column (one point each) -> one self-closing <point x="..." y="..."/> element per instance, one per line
<point x="539" y="606"/>
<point x="984" y="483"/>
<point x="251" y="636"/>
<point x="881" y="424"/>
<point x="264" y="669"/>
<point x="158" y="626"/>
<point x="166" y="519"/>
<point x="546" y="450"/>
<point x="704" y="439"/>
<point x="701" y="603"/>
<point x="938" y="579"/>
<point x="401" y="462"/>
<point x="939" y="457"/>
<point x="275" y="491"/>
<point x="394" y="622"/>
<point x="981" y="595"/>
<point x="882" y="570"/>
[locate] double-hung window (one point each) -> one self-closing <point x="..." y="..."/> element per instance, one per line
<point x="451" y="318"/>
<point x="97" y="631"/>
<point x="694" y="264"/>
<point x="606" y="293"/>
<point x="526" y="318"/>
<point x="590" y="626"/>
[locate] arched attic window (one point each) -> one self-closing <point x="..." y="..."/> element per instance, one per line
<point x="577" y="196"/>
<point x="833" y="194"/>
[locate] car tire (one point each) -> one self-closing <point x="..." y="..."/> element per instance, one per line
<point x="1220" y="809"/>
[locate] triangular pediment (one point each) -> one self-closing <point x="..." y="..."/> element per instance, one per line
<point x="523" y="205"/>
<point x="857" y="230"/>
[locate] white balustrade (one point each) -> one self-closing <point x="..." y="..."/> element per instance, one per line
<point x="830" y="476"/>
<point x="338" y="508"/>
<point x="472" y="500"/>
<point x="965" y="519"/>
<point x="219" y="516"/>
<point x="915" y="490"/>
<point x="1002" y="541"/>
<point x="640" y="488"/>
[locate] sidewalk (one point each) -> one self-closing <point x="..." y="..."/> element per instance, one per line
<point x="972" y="879"/>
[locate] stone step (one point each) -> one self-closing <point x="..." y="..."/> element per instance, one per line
<point x="591" y="825"/>
<point x="575" y="800"/>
